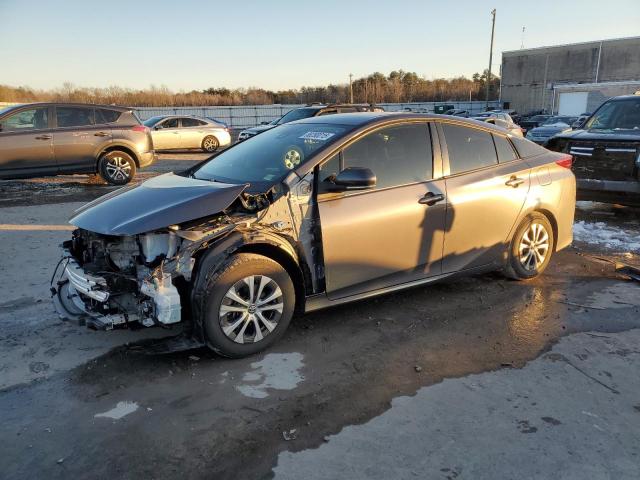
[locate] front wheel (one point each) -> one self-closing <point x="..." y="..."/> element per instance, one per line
<point x="210" y="143"/>
<point x="248" y="304"/>
<point x="531" y="248"/>
<point x="117" y="167"/>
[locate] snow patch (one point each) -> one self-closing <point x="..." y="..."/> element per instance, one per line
<point x="122" y="409"/>
<point x="279" y="371"/>
<point x="599" y="233"/>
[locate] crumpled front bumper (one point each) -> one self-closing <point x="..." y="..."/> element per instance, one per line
<point x="72" y="281"/>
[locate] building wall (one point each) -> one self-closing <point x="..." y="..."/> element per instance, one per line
<point x="529" y="76"/>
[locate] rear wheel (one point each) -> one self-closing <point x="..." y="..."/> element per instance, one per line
<point x="210" y="143"/>
<point x="117" y="167"/>
<point x="531" y="248"/>
<point x="248" y="304"/>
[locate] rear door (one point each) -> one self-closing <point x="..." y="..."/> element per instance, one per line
<point x="192" y="131"/>
<point x="486" y="185"/>
<point x="77" y="138"/>
<point x="388" y="235"/>
<point x="166" y="134"/>
<point x="26" y="142"/>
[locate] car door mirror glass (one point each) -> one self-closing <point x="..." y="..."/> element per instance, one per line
<point x="355" y="178"/>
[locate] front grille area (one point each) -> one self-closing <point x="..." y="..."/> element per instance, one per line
<point x="605" y="161"/>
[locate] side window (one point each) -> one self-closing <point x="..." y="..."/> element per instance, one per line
<point x="171" y="123"/>
<point x="32" y="119"/>
<point x="527" y="148"/>
<point x="191" y="122"/>
<point x="74" y="116"/>
<point x="504" y="149"/>
<point x="107" y="116"/>
<point x="397" y="155"/>
<point x="469" y="149"/>
<point x="329" y="169"/>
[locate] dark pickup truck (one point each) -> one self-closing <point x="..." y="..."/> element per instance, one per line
<point x="606" y="152"/>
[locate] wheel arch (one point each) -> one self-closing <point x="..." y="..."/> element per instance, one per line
<point x="554" y="224"/>
<point x="268" y="245"/>
<point x="112" y="148"/>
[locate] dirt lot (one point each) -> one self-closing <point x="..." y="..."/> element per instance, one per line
<point x="472" y="378"/>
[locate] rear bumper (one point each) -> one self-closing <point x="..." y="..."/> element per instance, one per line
<point x="609" y="191"/>
<point x="147" y="158"/>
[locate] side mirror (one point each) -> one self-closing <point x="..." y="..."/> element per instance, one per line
<point x="355" y="178"/>
<point x="492" y="121"/>
<point x="157" y="127"/>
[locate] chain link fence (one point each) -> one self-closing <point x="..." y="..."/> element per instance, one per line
<point x="244" y="116"/>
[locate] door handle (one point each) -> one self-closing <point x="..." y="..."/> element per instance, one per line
<point x="43" y="137"/>
<point x="431" y="198"/>
<point x="101" y="134"/>
<point x="514" y="182"/>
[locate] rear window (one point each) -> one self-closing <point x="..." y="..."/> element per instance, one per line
<point x="469" y="149"/>
<point x="504" y="149"/>
<point x="107" y="116"/>
<point x="527" y="148"/>
<point x="74" y="116"/>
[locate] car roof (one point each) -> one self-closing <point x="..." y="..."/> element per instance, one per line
<point x="71" y="104"/>
<point x="361" y="119"/>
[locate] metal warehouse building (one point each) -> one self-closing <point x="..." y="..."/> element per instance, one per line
<point x="570" y="79"/>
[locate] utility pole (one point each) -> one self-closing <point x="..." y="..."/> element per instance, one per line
<point x="351" y="88"/>
<point x="522" y="39"/>
<point x="493" y="27"/>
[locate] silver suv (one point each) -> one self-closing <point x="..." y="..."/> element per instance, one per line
<point x="59" y="138"/>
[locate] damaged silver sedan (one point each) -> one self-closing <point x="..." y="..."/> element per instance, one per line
<point x="312" y="214"/>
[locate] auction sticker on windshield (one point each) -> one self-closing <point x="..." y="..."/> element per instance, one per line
<point x="320" y="136"/>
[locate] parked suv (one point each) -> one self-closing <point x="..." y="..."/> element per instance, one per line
<point x="606" y="152"/>
<point x="318" y="212"/>
<point x="62" y="138"/>
<point x="311" y="110"/>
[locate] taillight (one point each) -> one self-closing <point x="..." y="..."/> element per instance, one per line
<point x="565" y="161"/>
<point x="140" y="128"/>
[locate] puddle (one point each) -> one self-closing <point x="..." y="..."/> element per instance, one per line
<point x="620" y="295"/>
<point x="122" y="409"/>
<point x="278" y="371"/>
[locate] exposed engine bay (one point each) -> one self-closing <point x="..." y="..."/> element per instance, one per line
<point x="109" y="280"/>
<point x="121" y="279"/>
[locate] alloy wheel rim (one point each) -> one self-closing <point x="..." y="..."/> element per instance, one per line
<point x="210" y="144"/>
<point x="118" y="168"/>
<point x="251" y="309"/>
<point x="534" y="247"/>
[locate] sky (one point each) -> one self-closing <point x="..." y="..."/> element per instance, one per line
<point x="280" y="44"/>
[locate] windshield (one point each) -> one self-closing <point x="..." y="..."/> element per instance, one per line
<point x="152" y="121"/>
<point x="565" y="120"/>
<point x="297" y="114"/>
<point x="268" y="157"/>
<point x="617" y="115"/>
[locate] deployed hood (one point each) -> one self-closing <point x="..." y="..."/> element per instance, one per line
<point x="165" y="200"/>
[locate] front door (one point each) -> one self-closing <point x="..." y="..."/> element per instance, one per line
<point x="388" y="235"/>
<point x="166" y="134"/>
<point x="26" y="143"/>
<point x="486" y="189"/>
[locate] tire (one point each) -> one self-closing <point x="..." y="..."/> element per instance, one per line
<point x="523" y="262"/>
<point x="234" y="329"/>
<point x="210" y="144"/>
<point x="117" y="167"/>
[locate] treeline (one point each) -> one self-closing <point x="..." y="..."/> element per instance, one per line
<point x="396" y="87"/>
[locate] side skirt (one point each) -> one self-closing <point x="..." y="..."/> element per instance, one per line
<point x="321" y="300"/>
